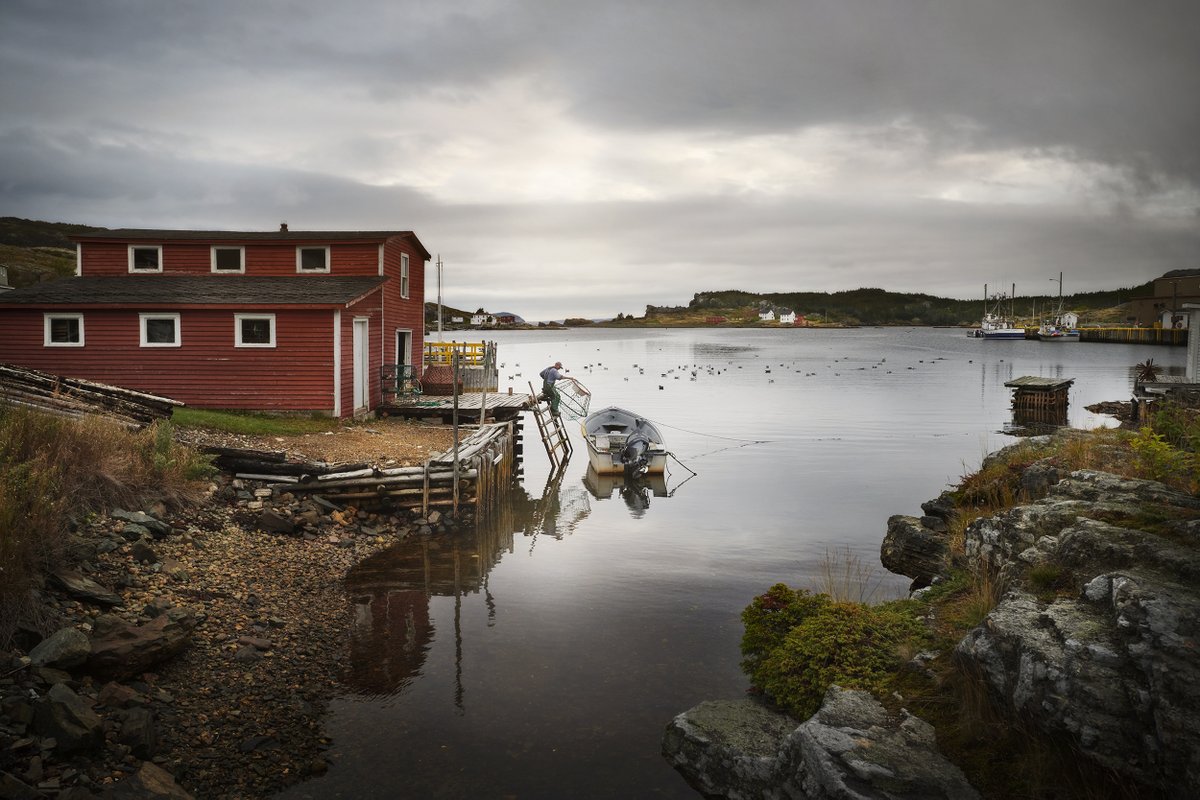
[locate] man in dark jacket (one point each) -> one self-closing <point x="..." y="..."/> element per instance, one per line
<point x="549" y="376"/>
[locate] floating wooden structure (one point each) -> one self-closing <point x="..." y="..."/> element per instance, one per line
<point x="1040" y="400"/>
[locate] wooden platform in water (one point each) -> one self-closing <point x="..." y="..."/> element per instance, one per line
<point x="499" y="406"/>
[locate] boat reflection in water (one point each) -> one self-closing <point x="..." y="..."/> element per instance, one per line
<point x="635" y="490"/>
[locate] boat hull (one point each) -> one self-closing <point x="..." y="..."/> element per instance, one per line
<point x="607" y="463"/>
<point x="1008" y="333"/>
<point x="613" y="434"/>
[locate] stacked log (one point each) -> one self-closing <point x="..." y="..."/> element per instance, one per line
<point x="76" y="397"/>
<point x="438" y="482"/>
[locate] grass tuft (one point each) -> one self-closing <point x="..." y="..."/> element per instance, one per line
<point x="53" y="468"/>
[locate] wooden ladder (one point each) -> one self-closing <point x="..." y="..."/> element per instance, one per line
<point x="554" y="434"/>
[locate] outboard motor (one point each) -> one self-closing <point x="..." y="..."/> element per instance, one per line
<point x="633" y="457"/>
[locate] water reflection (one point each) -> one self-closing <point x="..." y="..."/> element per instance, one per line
<point x="636" y="490"/>
<point x="390" y="591"/>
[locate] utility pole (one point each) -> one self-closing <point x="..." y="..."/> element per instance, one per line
<point x="439" y="274"/>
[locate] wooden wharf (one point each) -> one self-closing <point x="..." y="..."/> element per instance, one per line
<point x="1176" y="337"/>
<point x="499" y="406"/>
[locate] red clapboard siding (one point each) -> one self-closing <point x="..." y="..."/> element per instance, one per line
<point x="367" y="308"/>
<point x="207" y="371"/>
<point x="195" y="258"/>
<point x="404" y="314"/>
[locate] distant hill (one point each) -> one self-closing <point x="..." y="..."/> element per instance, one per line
<point x="870" y="306"/>
<point x="35" y="233"/>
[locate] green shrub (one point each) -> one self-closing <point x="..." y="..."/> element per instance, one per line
<point x="1161" y="461"/>
<point x="797" y="645"/>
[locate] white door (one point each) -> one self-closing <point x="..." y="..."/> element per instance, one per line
<point x="362" y="365"/>
<point x="403" y="347"/>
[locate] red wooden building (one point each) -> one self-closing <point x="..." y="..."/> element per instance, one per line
<point x="278" y="321"/>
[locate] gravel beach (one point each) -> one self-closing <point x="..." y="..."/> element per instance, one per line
<point x="237" y="712"/>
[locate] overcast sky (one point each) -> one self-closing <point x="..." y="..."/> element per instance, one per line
<point x="572" y="158"/>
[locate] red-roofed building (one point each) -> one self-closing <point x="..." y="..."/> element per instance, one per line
<point x="276" y="321"/>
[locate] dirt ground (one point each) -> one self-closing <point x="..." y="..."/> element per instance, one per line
<point x="384" y="442"/>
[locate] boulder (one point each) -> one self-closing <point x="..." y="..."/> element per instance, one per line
<point x="157" y="528"/>
<point x="121" y="650"/>
<point x="270" y="521"/>
<point x="64" y="649"/>
<point x="142" y="552"/>
<point x="83" y="588"/>
<point x="851" y="749"/>
<point x="139" y="732"/>
<point x="63" y="716"/>
<point x="729" y="748"/>
<point x="910" y="548"/>
<point x="150" y="782"/>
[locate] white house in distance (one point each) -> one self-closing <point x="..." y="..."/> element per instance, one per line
<point x="767" y="316"/>
<point x="787" y="316"/>
<point x="482" y="319"/>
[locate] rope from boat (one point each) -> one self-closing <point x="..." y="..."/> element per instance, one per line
<point x="709" y="435"/>
<point x="680" y="463"/>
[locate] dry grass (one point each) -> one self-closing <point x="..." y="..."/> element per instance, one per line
<point x="847" y="579"/>
<point x="53" y="468"/>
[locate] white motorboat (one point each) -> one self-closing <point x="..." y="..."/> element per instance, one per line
<point x="620" y="441"/>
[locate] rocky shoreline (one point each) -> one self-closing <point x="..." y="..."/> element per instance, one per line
<point x="194" y="651"/>
<point x="1094" y="641"/>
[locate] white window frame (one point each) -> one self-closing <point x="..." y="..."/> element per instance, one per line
<point x="404" y="276"/>
<point x="146" y="316"/>
<point x="237" y="330"/>
<point x="47" y="321"/>
<point x="300" y="261"/>
<point x="241" y="259"/>
<point x="134" y="247"/>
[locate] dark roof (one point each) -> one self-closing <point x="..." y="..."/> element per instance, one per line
<point x="197" y="290"/>
<point x="293" y="237"/>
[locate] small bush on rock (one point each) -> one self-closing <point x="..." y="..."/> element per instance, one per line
<point x="798" y="644"/>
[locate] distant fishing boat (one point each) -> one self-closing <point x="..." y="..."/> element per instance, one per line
<point x="1058" y="330"/>
<point x="620" y="441"/>
<point x="997" y="322"/>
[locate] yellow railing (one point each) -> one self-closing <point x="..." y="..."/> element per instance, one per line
<point x="442" y="353"/>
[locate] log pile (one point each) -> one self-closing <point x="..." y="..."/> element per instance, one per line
<point x="484" y="462"/>
<point x="76" y="397"/>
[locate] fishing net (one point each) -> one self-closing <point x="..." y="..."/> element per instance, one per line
<point x="573" y="398"/>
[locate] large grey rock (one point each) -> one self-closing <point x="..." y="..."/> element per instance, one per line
<point x="65" y="717"/>
<point x="1113" y="664"/>
<point x="729" y="748"/>
<point x="121" y="650"/>
<point x="157" y="528"/>
<point x="912" y="548"/>
<point x="851" y="749"/>
<point x="64" y="649"/>
<point x="83" y="588"/>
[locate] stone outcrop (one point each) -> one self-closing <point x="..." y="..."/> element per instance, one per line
<point x="851" y="749"/>
<point x="121" y="650"/>
<point x="913" y="548"/>
<point x="1096" y="635"/>
<point x="1110" y="657"/>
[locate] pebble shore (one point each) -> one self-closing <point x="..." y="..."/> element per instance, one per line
<point x="237" y="713"/>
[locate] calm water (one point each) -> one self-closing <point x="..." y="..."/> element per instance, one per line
<point x="543" y="656"/>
